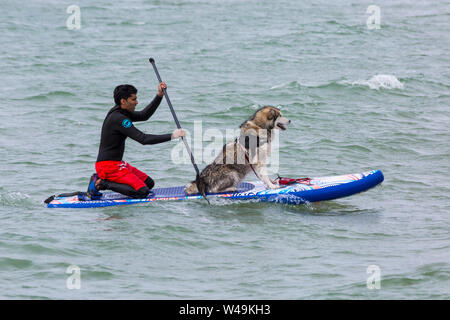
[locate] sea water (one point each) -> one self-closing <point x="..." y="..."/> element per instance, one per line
<point x="364" y="87"/>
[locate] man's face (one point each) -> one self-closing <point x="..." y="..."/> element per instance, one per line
<point x="130" y="103"/>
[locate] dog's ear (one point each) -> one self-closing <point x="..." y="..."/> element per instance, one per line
<point x="274" y="114"/>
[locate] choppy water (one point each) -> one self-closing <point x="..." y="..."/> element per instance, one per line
<point x="358" y="98"/>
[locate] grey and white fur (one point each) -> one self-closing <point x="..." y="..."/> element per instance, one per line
<point x="237" y="158"/>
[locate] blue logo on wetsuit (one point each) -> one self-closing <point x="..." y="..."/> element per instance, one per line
<point x="126" y="123"/>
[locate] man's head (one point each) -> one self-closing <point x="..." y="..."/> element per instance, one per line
<point x="125" y="97"/>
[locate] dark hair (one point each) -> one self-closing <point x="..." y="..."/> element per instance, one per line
<point x="124" y="91"/>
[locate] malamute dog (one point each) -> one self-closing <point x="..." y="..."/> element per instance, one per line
<point x="246" y="153"/>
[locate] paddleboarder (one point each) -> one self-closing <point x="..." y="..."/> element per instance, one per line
<point x="111" y="171"/>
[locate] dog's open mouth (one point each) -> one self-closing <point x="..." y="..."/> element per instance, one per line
<point x="281" y="126"/>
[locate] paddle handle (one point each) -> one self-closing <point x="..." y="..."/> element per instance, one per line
<point x="152" y="61"/>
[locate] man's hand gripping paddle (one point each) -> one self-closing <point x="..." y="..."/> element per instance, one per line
<point x="198" y="181"/>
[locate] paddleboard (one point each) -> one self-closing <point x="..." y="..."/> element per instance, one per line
<point x="310" y="190"/>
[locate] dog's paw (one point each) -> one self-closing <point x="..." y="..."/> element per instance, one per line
<point x="273" y="186"/>
<point x="191" y="188"/>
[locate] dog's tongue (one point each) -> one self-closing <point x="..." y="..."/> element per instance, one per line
<point x="281" y="126"/>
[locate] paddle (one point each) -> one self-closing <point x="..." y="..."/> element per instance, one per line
<point x="199" y="182"/>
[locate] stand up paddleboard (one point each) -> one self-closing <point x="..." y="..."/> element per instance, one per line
<point x="304" y="191"/>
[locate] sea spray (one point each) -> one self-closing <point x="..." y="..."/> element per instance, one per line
<point x="378" y="81"/>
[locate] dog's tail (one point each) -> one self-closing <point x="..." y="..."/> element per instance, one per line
<point x="197" y="186"/>
<point x="202" y="186"/>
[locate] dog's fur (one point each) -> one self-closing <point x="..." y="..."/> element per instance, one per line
<point x="252" y="147"/>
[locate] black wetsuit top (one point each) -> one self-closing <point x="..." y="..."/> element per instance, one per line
<point x="118" y="125"/>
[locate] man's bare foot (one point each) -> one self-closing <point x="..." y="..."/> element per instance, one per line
<point x="99" y="184"/>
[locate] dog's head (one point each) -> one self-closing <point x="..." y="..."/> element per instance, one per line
<point x="269" y="118"/>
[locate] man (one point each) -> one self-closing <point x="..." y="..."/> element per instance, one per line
<point x="113" y="173"/>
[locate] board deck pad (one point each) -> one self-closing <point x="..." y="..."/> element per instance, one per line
<point x="169" y="192"/>
<point x="312" y="190"/>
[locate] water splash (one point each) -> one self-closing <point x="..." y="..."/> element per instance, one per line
<point x="15" y="199"/>
<point x="222" y="201"/>
<point x="289" y="199"/>
<point x="385" y="81"/>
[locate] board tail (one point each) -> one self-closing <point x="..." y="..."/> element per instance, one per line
<point x="71" y="194"/>
<point x="49" y="199"/>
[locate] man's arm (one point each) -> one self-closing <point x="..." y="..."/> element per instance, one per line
<point x="125" y="126"/>
<point x="148" y="111"/>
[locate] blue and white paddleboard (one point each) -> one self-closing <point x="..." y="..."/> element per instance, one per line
<point x="312" y="190"/>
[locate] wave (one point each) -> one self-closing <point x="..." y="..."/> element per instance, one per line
<point x="376" y="82"/>
<point x="14" y="263"/>
<point x="15" y="199"/>
<point x="51" y="94"/>
<point x="95" y="7"/>
<point x="290" y="85"/>
<point x="129" y="23"/>
<point x="385" y="81"/>
<point x="428" y="273"/>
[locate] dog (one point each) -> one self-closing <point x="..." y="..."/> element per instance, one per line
<point x="246" y="153"/>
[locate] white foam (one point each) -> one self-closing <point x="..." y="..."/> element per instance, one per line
<point x="378" y="81"/>
<point x="15" y="199"/>
<point x="279" y="86"/>
<point x="286" y="85"/>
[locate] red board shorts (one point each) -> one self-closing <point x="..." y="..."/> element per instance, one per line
<point x="121" y="172"/>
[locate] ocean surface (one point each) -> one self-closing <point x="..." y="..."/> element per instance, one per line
<point x="362" y="93"/>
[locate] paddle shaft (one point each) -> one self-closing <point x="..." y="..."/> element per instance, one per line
<point x="152" y="61"/>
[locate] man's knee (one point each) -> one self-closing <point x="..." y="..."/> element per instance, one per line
<point x="149" y="182"/>
<point x="142" y="193"/>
